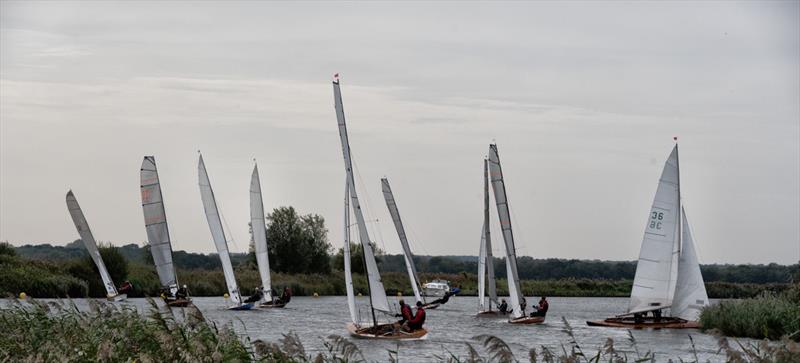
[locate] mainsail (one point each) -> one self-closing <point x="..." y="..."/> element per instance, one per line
<point x="500" y="198"/>
<point x="88" y="240"/>
<point x="401" y="233"/>
<point x="259" y="230"/>
<point x="348" y="274"/>
<point x="218" y="234"/>
<point x="654" y="282"/>
<point x="155" y="223"/>
<point x="482" y="270"/>
<point x="485" y="263"/>
<point x="378" y="299"/>
<point x="690" y="292"/>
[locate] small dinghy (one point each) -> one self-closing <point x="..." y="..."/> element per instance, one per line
<point x="88" y="240"/>
<point x="218" y="235"/>
<point x="485" y="258"/>
<point x="155" y="223"/>
<point x="259" y="230"/>
<point x="377" y="293"/>
<point x="385" y="331"/>
<point x="668" y="277"/>
<point x="515" y="296"/>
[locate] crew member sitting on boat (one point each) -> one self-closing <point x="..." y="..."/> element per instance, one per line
<point x="405" y="313"/>
<point x="522" y="305"/>
<point x="257" y="295"/>
<point x="419" y="318"/>
<point x="541" y="310"/>
<point x="182" y="293"/>
<point x="503" y="307"/>
<point x="286" y="296"/>
<point x="125" y="288"/>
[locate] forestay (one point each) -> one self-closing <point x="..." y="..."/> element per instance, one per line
<point x="155" y="223"/>
<point x="401" y="233"/>
<point x="259" y="231"/>
<point x="498" y="185"/>
<point x="377" y="292"/>
<point x="88" y="240"/>
<point x="654" y="282"/>
<point x="217" y="233"/>
<point x="348" y="274"/>
<point x="690" y="292"/>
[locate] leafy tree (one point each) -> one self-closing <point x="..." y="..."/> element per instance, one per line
<point x="297" y="244"/>
<point x="7" y="249"/>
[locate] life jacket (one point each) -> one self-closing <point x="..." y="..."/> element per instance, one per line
<point x="419" y="318"/>
<point x="406" y="312"/>
<point x="543" y="306"/>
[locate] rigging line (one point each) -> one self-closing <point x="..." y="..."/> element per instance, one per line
<point x="377" y="234"/>
<point x="230" y="231"/>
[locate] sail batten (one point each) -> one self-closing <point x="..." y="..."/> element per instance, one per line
<point x="155" y="221"/>
<point x="87" y="237"/>
<point x="500" y="197"/>
<point x="217" y="232"/>
<point x="378" y="298"/>
<point x="391" y="204"/>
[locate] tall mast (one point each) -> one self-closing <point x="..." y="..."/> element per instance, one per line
<point x="377" y="293"/>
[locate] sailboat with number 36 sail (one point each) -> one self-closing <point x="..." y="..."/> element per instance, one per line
<point x="668" y="274"/>
<point x="377" y="294"/>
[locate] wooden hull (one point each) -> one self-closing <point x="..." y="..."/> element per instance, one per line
<point x="629" y="323"/>
<point x="527" y="320"/>
<point x="178" y="303"/>
<point x="392" y="333"/>
<point x="489" y="314"/>
<point x="117" y="298"/>
<point x="241" y="307"/>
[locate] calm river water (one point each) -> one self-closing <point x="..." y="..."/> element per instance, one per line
<point x="313" y="319"/>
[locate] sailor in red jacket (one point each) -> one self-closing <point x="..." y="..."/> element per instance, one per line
<point x="541" y="310"/>
<point x="419" y="318"/>
<point x="405" y="312"/>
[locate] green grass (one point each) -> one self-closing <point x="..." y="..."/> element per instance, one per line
<point x="771" y="316"/>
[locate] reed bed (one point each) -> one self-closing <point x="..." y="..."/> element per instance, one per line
<point x="770" y="316"/>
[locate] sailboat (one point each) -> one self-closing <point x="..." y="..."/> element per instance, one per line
<point x="218" y="234"/>
<point x="516" y="298"/>
<point x="377" y="294"/>
<point x="485" y="258"/>
<point x="155" y="222"/>
<point x="401" y="233"/>
<point x="88" y="240"/>
<point x="260" y="241"/>
<point x="668" y="272"/>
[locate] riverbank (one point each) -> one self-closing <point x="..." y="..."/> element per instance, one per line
<point x="770" y="316"/>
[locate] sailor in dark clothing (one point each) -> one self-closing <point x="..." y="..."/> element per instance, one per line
<point x="126" y="287"/>
<point x="657" y="315"/>
<point x="182" y="293"/>
<point x="257" y="295"/>
<point x="419" y="318"/>
<point x="541" y="310"/>
<point x="405" y="313"/>
<point x="443" y="300"/>
<point x="523" y="305"/>
<point x="286" y="296"/>
<point x="503" y="307"/>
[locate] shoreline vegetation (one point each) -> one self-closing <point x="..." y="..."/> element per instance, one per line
<point x="57" y="331"/>
<point x="768" y="316"/>
<point x="48" y="272"/>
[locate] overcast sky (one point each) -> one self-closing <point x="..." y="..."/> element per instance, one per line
<point x="583" y="99"/>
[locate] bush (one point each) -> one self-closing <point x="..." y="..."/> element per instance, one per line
<point x="770" y="316"/>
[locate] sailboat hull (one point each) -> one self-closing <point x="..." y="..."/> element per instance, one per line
<point x="241" y="307"/>
<point x="629" y="323"/>
<point x="178" y="303"/>
<point x="385" y="332"/>
<point x="117" y="298"/>
<point x="270" y="305"/>
<point x="489" y="314"/>
<point x="525" y="320"/>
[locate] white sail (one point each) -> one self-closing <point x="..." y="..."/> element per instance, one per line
<point x="499" y="187"/>
<point x="488" y="236"/>
<point x="155" y="223"/>
<point x="690" y="292"/>
<point x="654" y="282"/>
<point x="348" y="274"/>
<point x="88" y="240"/>
<point x="377" y="292"/>
<point x="482" y="271"/>
<point x="217" y="233"/>
<point x="401" y="233"/>
<point x="259" y="233"/>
